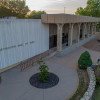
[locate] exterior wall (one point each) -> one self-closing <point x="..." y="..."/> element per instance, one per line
<point x="75" y="33"/>
<point x="66" y="28"/>
<point x="21" y="39"/>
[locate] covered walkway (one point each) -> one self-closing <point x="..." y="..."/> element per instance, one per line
<point x="66" y="28"/>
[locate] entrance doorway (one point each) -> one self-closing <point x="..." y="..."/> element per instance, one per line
<point x="65" y="34"/>
<point x="52" y="35"/>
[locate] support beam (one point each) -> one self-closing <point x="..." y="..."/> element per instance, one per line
<point x="70" y="34"/>
<point x="78" y="32"/>
<point x="84" y="31"/>
<point x="59" y="37"/>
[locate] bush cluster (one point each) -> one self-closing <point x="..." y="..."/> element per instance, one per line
<point x="85" y="60"/>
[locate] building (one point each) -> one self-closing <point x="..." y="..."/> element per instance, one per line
<point x="69" y="29"/>
<point x="21" y="39"/>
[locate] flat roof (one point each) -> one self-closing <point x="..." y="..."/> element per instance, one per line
<point x="67" y="18"/>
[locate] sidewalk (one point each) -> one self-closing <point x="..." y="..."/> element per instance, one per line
<point x="15" y="84"/>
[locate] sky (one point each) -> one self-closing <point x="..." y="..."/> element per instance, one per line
<point x="56" y="6"/>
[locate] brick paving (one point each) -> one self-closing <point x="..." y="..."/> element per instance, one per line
<point x="93" y="44"/>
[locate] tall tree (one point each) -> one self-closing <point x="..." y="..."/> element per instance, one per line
<point x="35" y="14"/>
<point x="15" y="8"/>
<point x="92" y="9"/>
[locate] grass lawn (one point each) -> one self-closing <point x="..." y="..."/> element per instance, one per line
<point x="97" y="93"/>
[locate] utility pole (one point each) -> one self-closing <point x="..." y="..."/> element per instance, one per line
<point x="64" y="10"/>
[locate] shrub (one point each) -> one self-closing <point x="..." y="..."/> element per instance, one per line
<point x="44" y="74"/>
<point x="85" y="60"/>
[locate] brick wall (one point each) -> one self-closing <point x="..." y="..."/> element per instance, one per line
<point x="31" y="61"/>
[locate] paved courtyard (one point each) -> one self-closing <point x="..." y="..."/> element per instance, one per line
<point x="15" y="84"/>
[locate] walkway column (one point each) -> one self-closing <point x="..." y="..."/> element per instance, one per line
<point x="88" y="30"/>
<point x="84" y="31"/>
<point x="95" y="28"/>
<point x="59" y="37"/>
<point x="92" y="29"/>
<point x="78" y="32"/>
<point x="70" y="34"/>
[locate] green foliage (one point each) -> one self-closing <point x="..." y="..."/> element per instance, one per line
<point x="18" y="8"/>
<point x="84" y="60"/>
<point x="83" y="85"/>
<point x="35" y="14"/>
<point x="96" y="95"/>
<point x="92" y="9"/>
<point x="97" y="73"/>
<point x="81" y="11"/>
<point x="15" y="8"/>
<point x="43" y="76"/>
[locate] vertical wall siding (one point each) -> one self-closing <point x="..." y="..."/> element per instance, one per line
<point x="21" y="39"/>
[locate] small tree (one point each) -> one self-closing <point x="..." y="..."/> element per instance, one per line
<point x="85" y="60"/>
<point x="92" y="9"/>
<point x="43" y="75"/>
<point x="17" y="8"/>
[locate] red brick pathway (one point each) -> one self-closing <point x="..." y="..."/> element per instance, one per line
<point x="93" y="44"/>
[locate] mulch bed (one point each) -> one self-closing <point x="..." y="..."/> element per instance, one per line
<point x="83" y="84"/>
<point x="52" y="81"/>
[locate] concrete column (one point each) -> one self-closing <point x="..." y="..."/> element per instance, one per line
<point x="59" y="37"/>
<point x="88" y="29"/>
<point x="70" y="34"/>
<point x="92" y="29"/>
<point x="78" y="32"/>
<point x="84" y="31"/>
<point x="95" y="28"/>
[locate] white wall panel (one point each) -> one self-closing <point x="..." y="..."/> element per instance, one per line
<point x="21" y="39"/>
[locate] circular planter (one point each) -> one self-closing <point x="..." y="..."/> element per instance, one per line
<point x="52" y="81"/>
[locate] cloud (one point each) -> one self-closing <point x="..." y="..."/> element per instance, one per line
<point x="56" y="6"/>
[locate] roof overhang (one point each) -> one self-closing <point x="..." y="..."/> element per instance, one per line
<point x="67" y="18"/>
